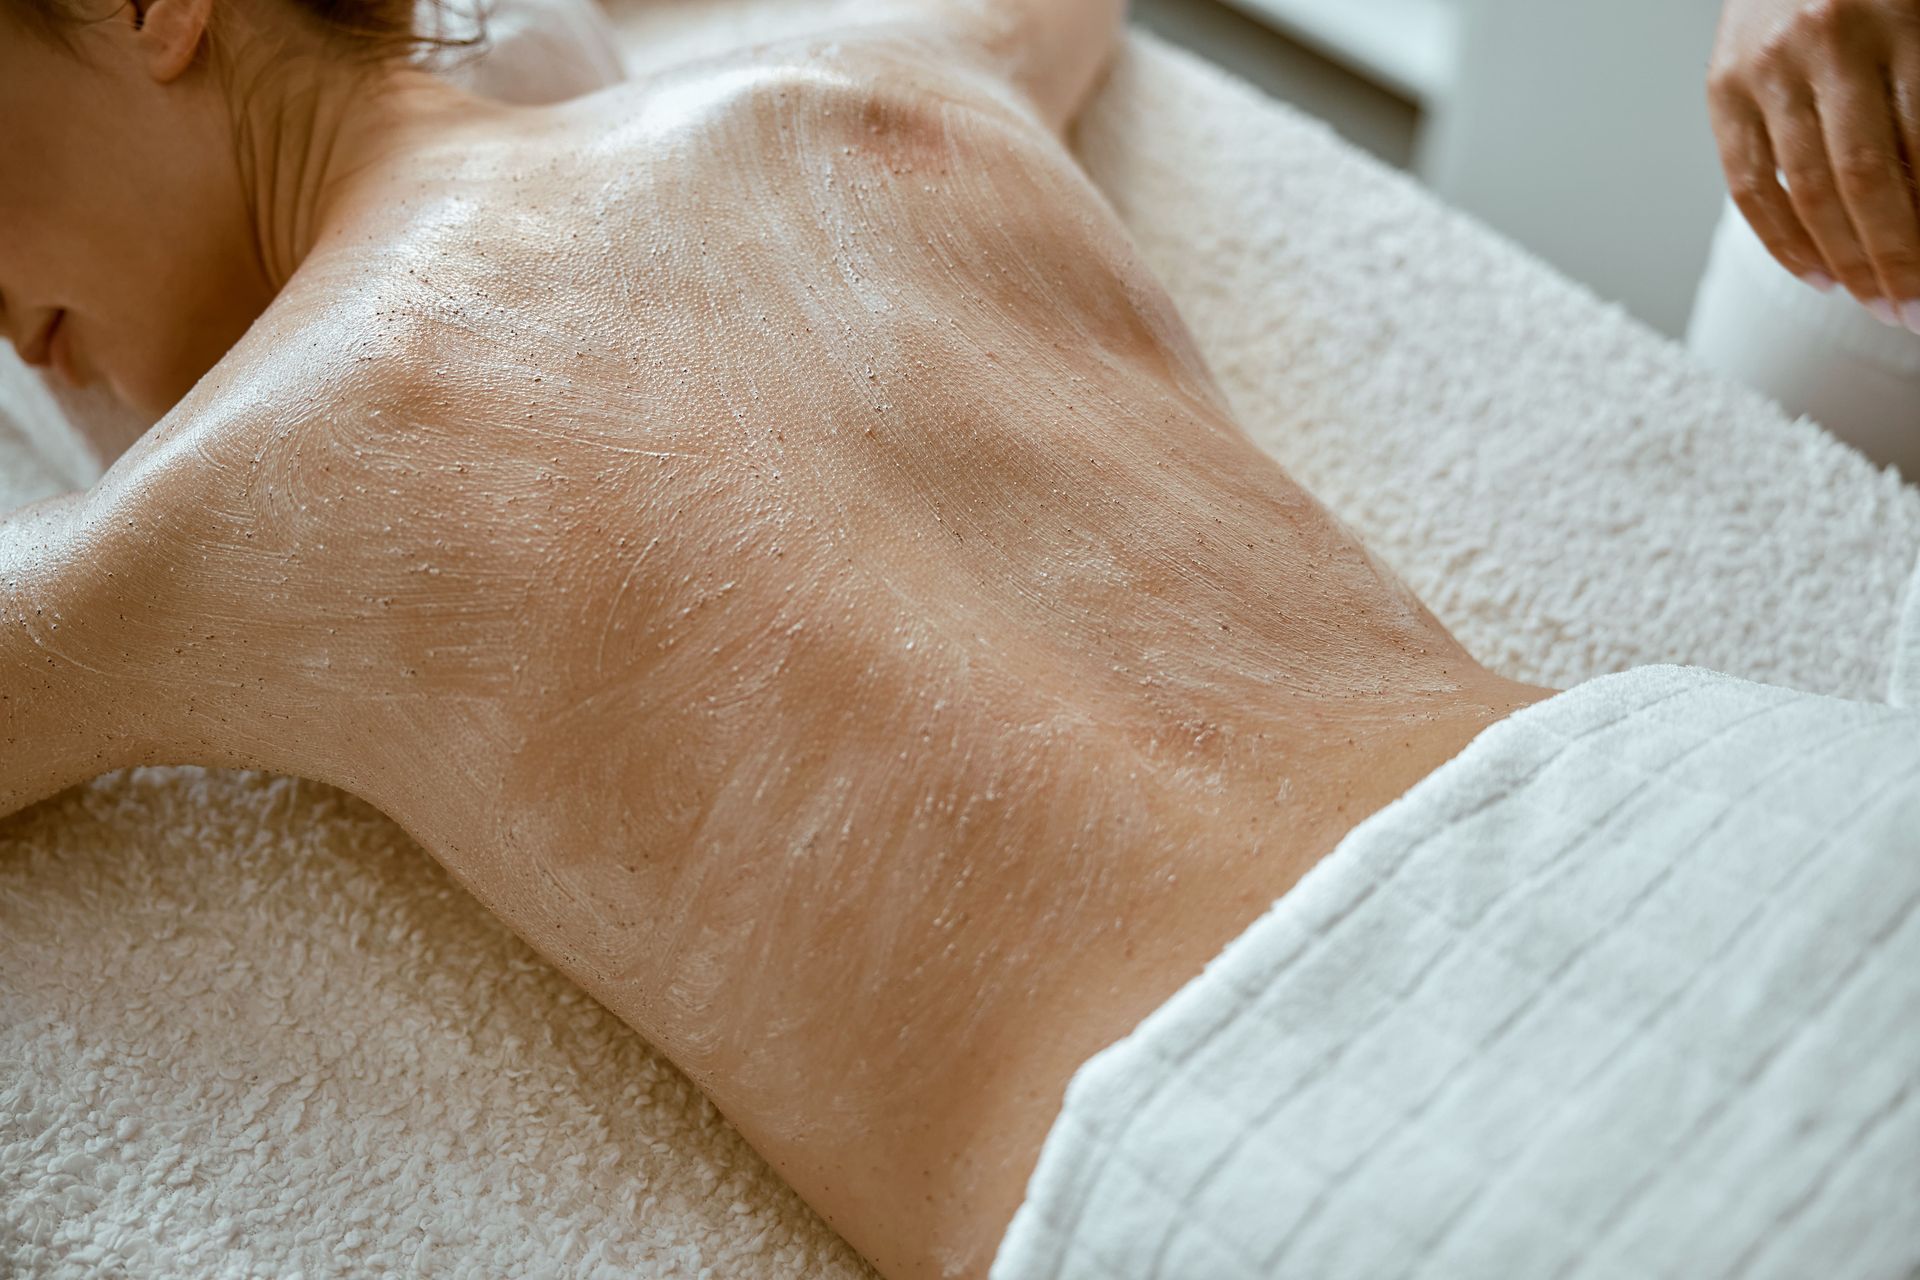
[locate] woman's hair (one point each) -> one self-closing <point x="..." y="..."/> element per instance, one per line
<point x="378" y="28"/>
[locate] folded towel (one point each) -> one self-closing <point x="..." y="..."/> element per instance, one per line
<point x="1630" y="987"/>
<point x="249" y="1027"/>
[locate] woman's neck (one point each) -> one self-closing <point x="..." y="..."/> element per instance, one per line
<point x="311" y="129"/>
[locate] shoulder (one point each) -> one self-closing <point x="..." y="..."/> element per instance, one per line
<point x="1037" y="61"/>
<point x="882" y="77"/>
<point x="280" y="428"/>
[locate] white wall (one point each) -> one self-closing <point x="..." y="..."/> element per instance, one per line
<point x="1579" y="128"/>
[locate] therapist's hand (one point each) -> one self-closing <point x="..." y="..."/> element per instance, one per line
<point x="1828" y="93"/>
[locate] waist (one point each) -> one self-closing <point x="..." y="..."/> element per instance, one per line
<point x="1137" y="874"/>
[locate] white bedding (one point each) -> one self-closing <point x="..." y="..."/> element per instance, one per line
<point x="1629" y="988"/>
<point x="247" y="1027"/>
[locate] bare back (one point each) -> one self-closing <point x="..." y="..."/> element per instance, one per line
<point x="764" y="532"/>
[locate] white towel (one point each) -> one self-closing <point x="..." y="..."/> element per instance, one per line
<point x="1629" y="988"/>
<point x="1821" y="354"/>
<point x="40" y="452"/>
<point x="1903" y="682"/>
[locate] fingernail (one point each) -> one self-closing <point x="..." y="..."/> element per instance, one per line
<point x="1910" y="314"/>
<point x="1883" y="312"/>
<point x="1819" y="280"/>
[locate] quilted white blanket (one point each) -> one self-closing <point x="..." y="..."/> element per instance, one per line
<point x="1630" y="987"/>
<point x="248" y="1028"/>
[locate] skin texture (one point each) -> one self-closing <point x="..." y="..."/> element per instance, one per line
<point x="765" y="533"/>
<point x="1826" y="93"/>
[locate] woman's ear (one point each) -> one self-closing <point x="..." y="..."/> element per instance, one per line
<point x="170" y="32"/>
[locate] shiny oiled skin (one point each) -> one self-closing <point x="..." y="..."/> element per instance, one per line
<point x="764" y="532"/>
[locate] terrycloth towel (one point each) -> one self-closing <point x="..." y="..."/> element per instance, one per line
<point x="1903" y="683"/>
<point x="1628" y="988"/>
<point x="247" y="1027"/>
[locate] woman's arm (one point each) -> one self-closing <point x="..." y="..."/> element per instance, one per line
<point x="139" y="625"/>
<point x="68" y="708"/>
<point x="1053" y="51"/>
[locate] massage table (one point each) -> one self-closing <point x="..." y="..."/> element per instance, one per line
<point x="247" y="1027"/>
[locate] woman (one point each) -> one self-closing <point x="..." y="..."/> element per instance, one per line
<point x="532" y="52"/>
<point x="761" y="529"/>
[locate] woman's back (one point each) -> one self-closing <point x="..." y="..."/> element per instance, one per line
<point x="766" y="535"/>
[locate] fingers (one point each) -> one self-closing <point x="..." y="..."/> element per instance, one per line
<point x="1904" y="88"/>
<point x="1747" y="155"/>
<point x="1824" y="96"/>
<point x="1801" y="143"/>
<point x="1864" y="147"/>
